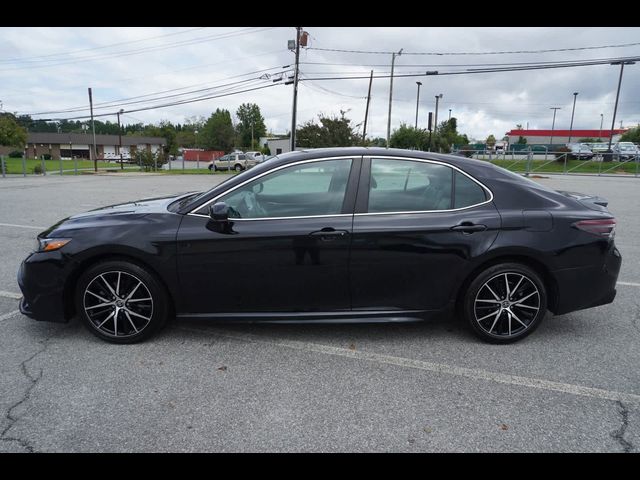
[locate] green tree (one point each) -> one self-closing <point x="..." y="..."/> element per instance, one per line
<point x="589" y="140"/>
<point x="218" y="132"/>
<point x="521" y="140"/>
<point x="249" y="117"/>
<point x="490" y="141"/>
<point x="330" y="132"/>
<point x="408" y="137"/>
<point x="447" y="135"/>
<point x="631" y="135"/>
<point x="11" y="133"/>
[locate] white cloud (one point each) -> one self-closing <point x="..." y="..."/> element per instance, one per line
<point x="483" y="103"/>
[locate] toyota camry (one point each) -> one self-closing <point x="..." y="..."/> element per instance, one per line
<point x="332" y="235"/>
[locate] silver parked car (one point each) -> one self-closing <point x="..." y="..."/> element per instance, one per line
<point x="237" y="161"/>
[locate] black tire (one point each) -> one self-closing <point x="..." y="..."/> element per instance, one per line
<point x="139" y="319"/>
<point x="237" y="167"/>
<point x="492" y="316"/>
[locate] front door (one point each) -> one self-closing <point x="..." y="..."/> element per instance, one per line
<point x="287" y="247"/>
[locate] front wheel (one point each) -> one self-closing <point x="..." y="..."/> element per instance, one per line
<point x="238" y="167"/>
<point x="505" y="303"/>
<point x="121" y="302"/>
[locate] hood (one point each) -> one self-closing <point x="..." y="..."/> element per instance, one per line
<point x="112" y="214"/>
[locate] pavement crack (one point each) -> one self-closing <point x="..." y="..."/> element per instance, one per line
<point x="618" y="435"/>
<point x="12" y="419"/>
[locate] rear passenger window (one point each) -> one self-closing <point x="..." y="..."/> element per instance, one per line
<point x="467" y="191"/>
<point x="409" y="186"/>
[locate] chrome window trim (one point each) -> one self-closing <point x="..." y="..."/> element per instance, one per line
<point x="409" y="212"/>
<point x="301" y="162"/>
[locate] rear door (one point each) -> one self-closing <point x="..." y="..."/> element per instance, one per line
<point x="417" y="224"/>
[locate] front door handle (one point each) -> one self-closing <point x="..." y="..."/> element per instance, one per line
<point x="468" y="227"/>
<point x="329" y="233"/>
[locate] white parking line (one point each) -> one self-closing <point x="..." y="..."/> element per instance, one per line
<point x="629" y="284"/>
<point x="473" y="373"/>
<point x="34" y="227"/>
<point x="9" y="315"/>
<point x="6" y="294"/>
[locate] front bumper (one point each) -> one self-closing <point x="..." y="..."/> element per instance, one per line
<point x="587" y="287"/>
<point x="41" y="279"/>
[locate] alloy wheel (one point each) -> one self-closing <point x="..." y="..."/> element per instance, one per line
<point x="507" y="304"/>
<point x="118" y="304"/>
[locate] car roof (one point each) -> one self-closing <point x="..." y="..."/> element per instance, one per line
<point x="311" y="153"/>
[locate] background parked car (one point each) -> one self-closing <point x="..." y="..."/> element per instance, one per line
<point x="580" y="151"/>
<point x="258" y="156"/>
<point x="237" y="161"/>
<point x="625" y="150"/>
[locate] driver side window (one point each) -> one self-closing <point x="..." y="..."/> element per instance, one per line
<point x="310" y="189"/>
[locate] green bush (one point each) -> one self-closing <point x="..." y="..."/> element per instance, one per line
<point x="15" y="154"/>
<point x="37" y="169"/>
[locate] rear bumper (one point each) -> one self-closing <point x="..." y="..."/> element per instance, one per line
<point x="587" y="287"/>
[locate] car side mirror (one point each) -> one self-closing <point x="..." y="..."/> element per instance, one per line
<point x="219" y="212"/>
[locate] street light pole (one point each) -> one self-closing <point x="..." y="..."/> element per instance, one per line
<point x="615" y="108"/>
<point x="449" y="114"/>
<point x="417" y="103"/>
<point x="553" y="124"/>
<point x="120" y="139"/>
<point x="393" y="63"/>
<point x="601" y="120"/>
<point x="575" y="95"/>
<point x="435" y="118"/>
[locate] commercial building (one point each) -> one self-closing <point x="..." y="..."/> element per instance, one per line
<point x="556" y="137"/>
<point x="277" y="144"/>
<point x="79" y="145"/>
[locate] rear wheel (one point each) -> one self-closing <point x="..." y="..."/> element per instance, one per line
<point x="238" y="167"/>
<point x="505" y="303"/>
<point x="121" y="302"/>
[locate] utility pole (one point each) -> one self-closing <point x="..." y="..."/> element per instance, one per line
<point x="615" y="108"/>
<point x="120" y="139"/>
<point x="449" y="114"/>
<point x="93" y="128"/>
<point x="393" y="63"/>
<point x="417" y="103"/>
<point x="553" y="124"/>
<point x="295" y="91"/>
<point x="575" y="95"/>
<point x="366" y="111"/>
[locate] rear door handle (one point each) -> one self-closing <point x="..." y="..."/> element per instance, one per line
<point x="468" y="227"/>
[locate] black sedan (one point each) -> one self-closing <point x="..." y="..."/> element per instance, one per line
<point x="350" y="235"/>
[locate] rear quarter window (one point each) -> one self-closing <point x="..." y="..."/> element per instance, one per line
<point x="467" y="192"/>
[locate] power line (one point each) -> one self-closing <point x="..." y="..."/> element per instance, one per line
<point x="23" y="59"/>
<point x="114" y="103"/>
<point x="504" y="52"/>
<point x="140" y="50"/>
<point x="410" y="65"/>
<point x="152" y="107"/>
<point x="489" y="70"/>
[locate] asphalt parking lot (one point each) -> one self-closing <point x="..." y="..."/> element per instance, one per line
<point x="572" y="386"/>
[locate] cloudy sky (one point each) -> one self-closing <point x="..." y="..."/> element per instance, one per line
<point x="48" y="69"/>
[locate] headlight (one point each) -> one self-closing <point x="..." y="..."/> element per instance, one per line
<point x="51" y="244"/>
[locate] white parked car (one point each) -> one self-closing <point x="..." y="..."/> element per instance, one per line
<point x="258" y="156"/>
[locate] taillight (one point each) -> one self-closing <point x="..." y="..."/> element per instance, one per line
<point x="604" y="227"/>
